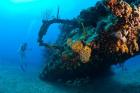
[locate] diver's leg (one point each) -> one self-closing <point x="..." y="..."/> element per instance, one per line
<point x="22" y="68"/>
<point x="22" y="63"/>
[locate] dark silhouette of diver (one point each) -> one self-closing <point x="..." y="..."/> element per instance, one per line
<point x="22" y="54"/>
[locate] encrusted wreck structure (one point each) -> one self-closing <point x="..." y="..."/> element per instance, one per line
<point x="103" y="35"/>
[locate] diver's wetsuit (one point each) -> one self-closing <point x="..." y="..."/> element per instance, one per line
<point x="22" y="51"/>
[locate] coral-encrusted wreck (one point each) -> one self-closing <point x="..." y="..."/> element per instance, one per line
<point x="99" y="37"/>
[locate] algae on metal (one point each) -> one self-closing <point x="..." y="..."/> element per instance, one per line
<point x="101" y="36"/>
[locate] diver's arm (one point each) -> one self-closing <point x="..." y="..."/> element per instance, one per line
<point x="19" y="49"/>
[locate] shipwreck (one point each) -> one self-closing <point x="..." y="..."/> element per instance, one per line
<point x="101" y="36"/>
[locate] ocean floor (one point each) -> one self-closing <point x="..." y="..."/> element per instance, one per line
<point x="14" y="80"/>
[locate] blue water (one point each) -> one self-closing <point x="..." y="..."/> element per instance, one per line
<point x="20" y="21"/>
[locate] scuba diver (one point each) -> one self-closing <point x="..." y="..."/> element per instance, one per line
<point x="22" y="54"/>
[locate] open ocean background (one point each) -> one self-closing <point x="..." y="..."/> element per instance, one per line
<point x="20" y="21"/>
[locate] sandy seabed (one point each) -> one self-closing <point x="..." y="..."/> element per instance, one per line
<point x="13" y="80"/>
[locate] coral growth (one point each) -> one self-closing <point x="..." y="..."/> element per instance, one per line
<point x="77" y="46"/>
<point x="120" y="8"/>
<point x="121" y="47"/>
<point x="103" y="35"/>
<point x="85" y="54"/>
<point x="127" y="26"/>
<point x="83" y="51"/>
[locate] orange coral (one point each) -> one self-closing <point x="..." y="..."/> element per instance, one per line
<point x="77" y="46"/>
<point x="128" y="10"/>
<point x="121" y="9"/>
<point x="111" y="2"/>
<point x="128" y="25"/>
<point x="83" y="51"/>
<point x="134" y="47"/>
<point x="133" y="44"/>
<point x="118" y="45"/>
<point x="122" y="47"/>
<point x="85" y="54"/>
